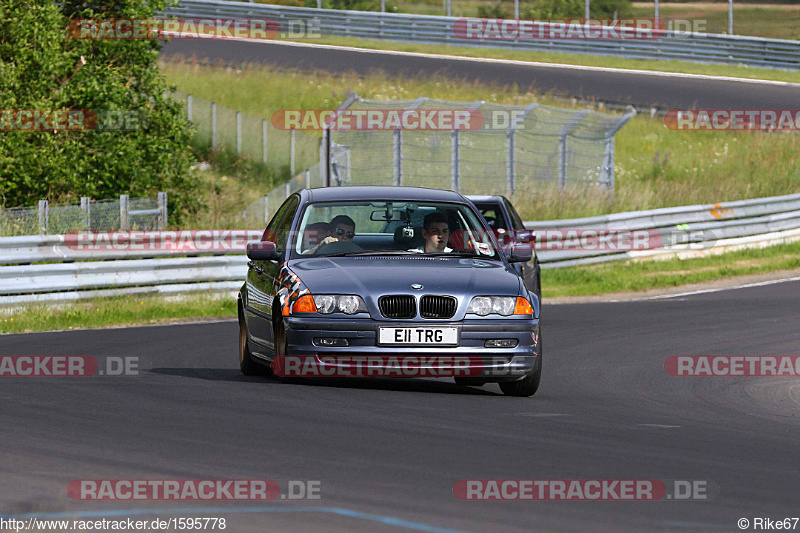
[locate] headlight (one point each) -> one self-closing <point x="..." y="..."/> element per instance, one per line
<point x="334" y="303"/>
<point x="499" y="305"/>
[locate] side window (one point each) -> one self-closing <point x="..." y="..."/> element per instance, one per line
<point x="278" y="227"/>
<point x="281" y="231"/>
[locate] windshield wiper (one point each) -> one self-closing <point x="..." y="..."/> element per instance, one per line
<point x="368" y="252"/>
<point x="461" y="253"/>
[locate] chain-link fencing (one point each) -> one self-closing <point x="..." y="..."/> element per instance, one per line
<point x="96" y="215"/>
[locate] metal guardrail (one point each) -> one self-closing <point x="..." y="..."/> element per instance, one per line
<point x="686" y="231"/>
<point x="44" y="268"/>
<point x="429" y="29"/>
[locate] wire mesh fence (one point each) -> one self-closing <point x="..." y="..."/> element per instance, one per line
<point x="254" y="138"/>
<point x="92" y="215"/>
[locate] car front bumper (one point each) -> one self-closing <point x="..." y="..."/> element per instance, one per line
<point x="470" y="358"/>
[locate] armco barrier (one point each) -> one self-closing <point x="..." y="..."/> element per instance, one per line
<point x="698" y="47"/>
<point x="46" y="268"/>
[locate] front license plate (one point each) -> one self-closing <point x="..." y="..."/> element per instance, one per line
<point x="418" y="336"/>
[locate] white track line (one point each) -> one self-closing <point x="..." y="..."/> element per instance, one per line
<point x="704" y="291"/>
<point x="563" y="66"/>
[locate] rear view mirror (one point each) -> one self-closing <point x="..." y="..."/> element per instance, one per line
<point x="262" y="251"/>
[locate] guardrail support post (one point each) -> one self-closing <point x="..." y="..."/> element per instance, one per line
<point x="266" y="208"/>
<point x="189" y="107"/>
<point x="397" y="158"/>
<point x="308" y="179"/>
<point x="213" y="125"/>
<point x="44" y="216"/>
<point x="162" y="211"/>
<point x="455" y="160"/>
<point x="124" y="222"/>
<point x="86" y="206"/>
<point x="238" y="133"/>
<point x="264" y="141"/>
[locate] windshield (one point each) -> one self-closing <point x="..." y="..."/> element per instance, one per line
<point x="391" y="227"/>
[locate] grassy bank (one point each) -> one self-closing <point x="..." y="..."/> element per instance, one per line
<point x="122" y="311"/>
<point x="655" y="166"/>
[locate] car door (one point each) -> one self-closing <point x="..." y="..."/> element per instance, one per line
<point x="261" y="276"/>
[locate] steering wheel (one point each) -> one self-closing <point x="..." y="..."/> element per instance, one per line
<point x="337" y="247"/>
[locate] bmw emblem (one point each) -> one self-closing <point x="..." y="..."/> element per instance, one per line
<point x="417" y="287"/>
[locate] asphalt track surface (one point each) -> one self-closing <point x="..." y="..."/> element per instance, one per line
<point x="611" y="86"/>
<point x="388" y="452"/>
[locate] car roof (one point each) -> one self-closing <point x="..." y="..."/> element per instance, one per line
<point x="376" y="192"/>
<point x="475" y="198"/>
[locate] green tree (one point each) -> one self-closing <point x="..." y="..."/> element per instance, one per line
<point x="42" y="67"/>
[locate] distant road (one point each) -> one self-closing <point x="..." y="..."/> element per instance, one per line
<point x="607" y="85"/>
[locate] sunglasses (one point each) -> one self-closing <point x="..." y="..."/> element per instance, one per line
<point x="342" y="233"/>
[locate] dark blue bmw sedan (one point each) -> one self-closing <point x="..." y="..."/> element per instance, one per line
<point x="388" y="282"/>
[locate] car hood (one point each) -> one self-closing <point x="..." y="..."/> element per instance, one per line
<point x="376" y="275"/>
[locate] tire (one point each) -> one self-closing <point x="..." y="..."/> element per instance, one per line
<point x="528" y="385"/>
<point x="538" y="291"/>
<point x="246" y="363"/>
<point x="279" y="334"/>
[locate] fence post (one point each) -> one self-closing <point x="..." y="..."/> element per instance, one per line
<point x="238" y="133"/>
<point x="510" y="161"/>
<point x="455" y="161"/>
<point x="213" y="125"/>
<point x="189" y="107"/>
<point x="326" y="156"/>
<point x="291" y="152"/>
<point x="266" y="208"/>
<point x="288" y="188"/>
<point x="397" y="158"/>
<point x="264" y="141"/>
<point x="562" y="145"/>
<point x="86" y="208"/>
<point x="124" y="223"/>
<point x="308" y="179"/>
<point x="44" y="215"/>
<point x="608" y="148"/>
<point x="162" y="211"/>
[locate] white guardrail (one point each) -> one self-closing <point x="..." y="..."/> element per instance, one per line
<point x="50" y="268"/>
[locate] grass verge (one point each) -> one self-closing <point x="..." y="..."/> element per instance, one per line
<point x="629" y="276"/>
<point x="122" y="311"/>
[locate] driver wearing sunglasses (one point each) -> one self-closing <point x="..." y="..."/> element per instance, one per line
<point x="341" y="228"/>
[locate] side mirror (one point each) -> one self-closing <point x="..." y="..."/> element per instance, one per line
<point x="262" y="251"/>
<point x="526" y="236"/>
<point x="519" y="253"/>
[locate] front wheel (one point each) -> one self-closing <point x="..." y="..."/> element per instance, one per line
<point x="528" y="385"/>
